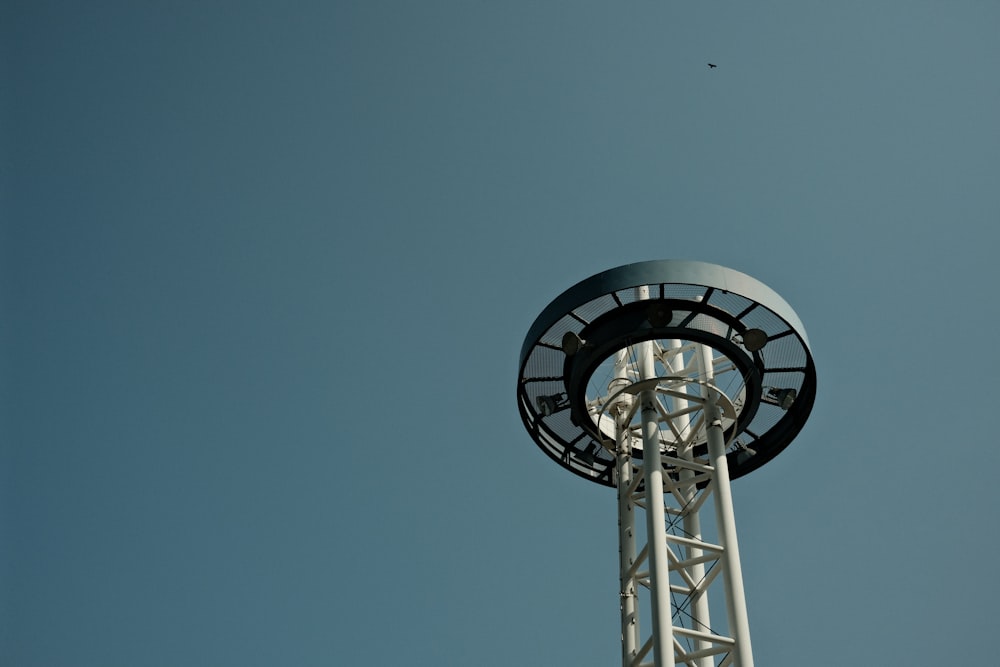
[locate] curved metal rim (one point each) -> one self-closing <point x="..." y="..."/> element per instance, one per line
<point x="686" y="272"/>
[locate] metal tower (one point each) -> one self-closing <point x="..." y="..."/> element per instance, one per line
<point x="711" y="370"/>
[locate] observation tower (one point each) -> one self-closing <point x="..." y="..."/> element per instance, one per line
<point x="666" y="380"/>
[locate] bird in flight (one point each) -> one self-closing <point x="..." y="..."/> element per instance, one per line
<point x="712" y="65"/>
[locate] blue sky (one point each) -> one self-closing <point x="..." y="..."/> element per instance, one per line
<point x="266" y="270"/>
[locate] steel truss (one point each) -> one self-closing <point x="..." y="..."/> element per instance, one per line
<point x="694" y="566"/>
<point x="678" y="569"/>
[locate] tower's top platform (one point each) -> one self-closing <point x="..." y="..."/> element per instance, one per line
<point x="713" y="330"/>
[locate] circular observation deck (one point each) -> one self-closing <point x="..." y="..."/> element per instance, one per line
<point x="691" y="332"/>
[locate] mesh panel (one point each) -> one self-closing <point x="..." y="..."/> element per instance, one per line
<point x="628" y="295"/>
<point x="685" y="292"/>
<point x="544" y="362"/>
<point x="734" y="304"/>
<point x="591" y="310"/>
<point x="711" y="325"/>
<point x="765" y="419"/>
<point x="762" y="318"/>
<point x="560" y="424"/>
<point x="786" y="352"/>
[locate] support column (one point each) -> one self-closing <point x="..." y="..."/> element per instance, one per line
<point x="698" y="608"/>
<point x="725" y="518"/>
<point x="656" y="526"/>
<point x="626" y="514"/>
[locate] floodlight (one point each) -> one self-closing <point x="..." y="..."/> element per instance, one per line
<point x="587" y="455"/>
<point x="548" y="405"/>
<point x="659" y="315"/>
<point x="783" y="398"/>
<point x="571" y="343"/>
<point x="754" y="339"/>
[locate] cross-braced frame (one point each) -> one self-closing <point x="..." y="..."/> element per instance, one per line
<point x="694" y="565"/>
<point x="663" y="398"/>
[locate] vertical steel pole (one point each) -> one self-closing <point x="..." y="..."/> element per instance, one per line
<point x="736" y="606"/>
<point x="699" y="610"/>
<point x="656" y="525"/>
<point x="626" y="513"/>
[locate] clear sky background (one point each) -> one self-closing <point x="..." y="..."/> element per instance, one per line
<point x="267" y="268"/>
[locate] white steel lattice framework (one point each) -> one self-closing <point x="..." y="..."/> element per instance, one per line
<point x="710" y="370"/>
<point x="672" y="408"/>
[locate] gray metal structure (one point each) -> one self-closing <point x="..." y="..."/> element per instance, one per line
<point x="711" y="370"/>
